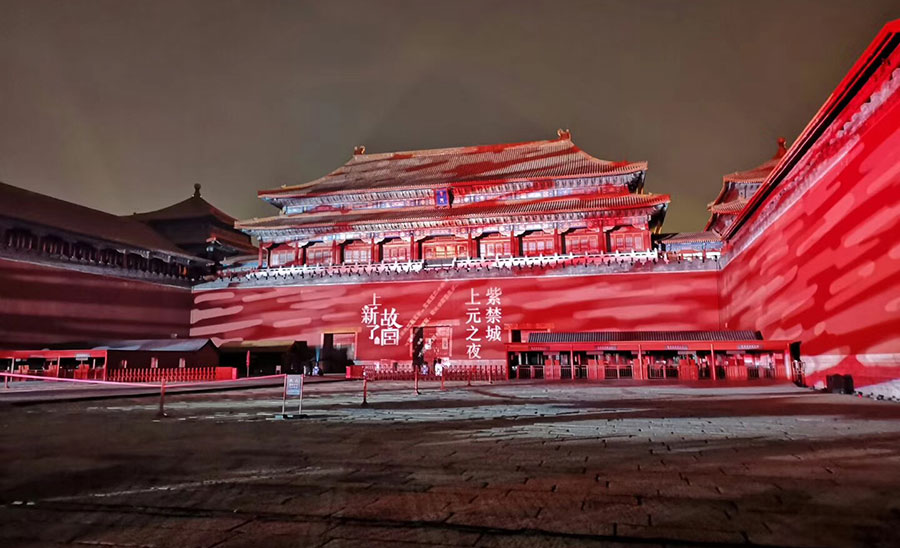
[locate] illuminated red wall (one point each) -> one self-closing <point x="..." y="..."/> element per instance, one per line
<point x="827" y="272"/>
<point x="41" y="305"/>
<point x="687" y="300"/>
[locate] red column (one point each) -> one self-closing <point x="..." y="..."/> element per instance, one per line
<point x="638" y="371"/>
<point x="335" y="252"/>
<point x="514" y="244"/>
<point x="302" y="259"/>
<point x="712" y="362"/>
<point x="259" y="261"/>
<point x="373" y="254"/>
<point x="296" y="252"/>
<point x="470" y="242"/>
<point x="788" y="371"/>
<point x="572" y="361"/>
<point x="557" y="242"/>
<point x="413" y="249"/>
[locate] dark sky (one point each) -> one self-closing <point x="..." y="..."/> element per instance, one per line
<point x="123" y="105"/>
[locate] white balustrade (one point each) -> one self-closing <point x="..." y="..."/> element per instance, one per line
<point x="551" y="261"/>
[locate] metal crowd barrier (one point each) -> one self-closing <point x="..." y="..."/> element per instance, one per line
<point x="187" y="374"/>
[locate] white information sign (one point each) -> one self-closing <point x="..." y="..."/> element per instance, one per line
<point x="294" y="385"/>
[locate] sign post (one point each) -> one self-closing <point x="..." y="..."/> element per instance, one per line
<point x="162" y="399"/>
<point x="300" y="404"/>
<point x="365" y="401"/>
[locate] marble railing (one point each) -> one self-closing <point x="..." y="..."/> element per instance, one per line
<point x="411" y="267"/>
<point x="552" y="265"/>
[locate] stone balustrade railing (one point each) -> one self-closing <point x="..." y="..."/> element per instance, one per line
<point x="545" y="261"/>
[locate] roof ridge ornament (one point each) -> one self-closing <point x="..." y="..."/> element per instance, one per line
<point x="564" y="133"/>
<point x="196" y="190"/>
<point x="782" y="149"/>
<point x="359" y="150"/>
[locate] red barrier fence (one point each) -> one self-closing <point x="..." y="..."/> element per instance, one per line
<point x="12" y="377"/>
<point x="406" y="372"/>
<point x="82" y="372"/>
<point x="193" y="374"/>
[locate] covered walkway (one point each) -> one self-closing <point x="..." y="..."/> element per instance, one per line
<point x="650" y="355"/>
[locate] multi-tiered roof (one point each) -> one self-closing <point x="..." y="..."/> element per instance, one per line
<point x="550" y="181"/>
<point x="737" y="189"/>
<point x="198" y="227"/>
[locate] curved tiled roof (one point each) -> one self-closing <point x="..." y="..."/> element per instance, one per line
<point x="138" y="345"/>
<point x="759" y="173"/>
<point x="756" y="175"/>
<point x="729" y="208"/>
<point x="30" y="207"/>
<point x="191" y="208"/>
<point x="582" y="203"/>
<point x="557" y="158"/>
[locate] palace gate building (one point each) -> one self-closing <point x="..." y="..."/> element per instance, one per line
<point x="452" y="255"/>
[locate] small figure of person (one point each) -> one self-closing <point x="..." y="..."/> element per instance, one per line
<point x="316" y="371"/>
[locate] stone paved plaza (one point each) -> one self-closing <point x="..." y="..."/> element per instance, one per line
<point x="488" y="465"/>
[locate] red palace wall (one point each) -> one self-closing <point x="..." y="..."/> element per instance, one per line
<point x="41" y="305"/>
<point x="685" y="300"/>
<point x="827" y="272"/>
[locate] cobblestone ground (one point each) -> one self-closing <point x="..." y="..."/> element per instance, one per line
<point x="502" y="465"/>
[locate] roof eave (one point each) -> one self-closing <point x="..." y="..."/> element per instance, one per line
<point x="865" y="67"/>
<point x="274" y="196"/>
<point x="660" y="202"/>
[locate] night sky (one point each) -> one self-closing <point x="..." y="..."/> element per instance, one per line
<point x="123" y="106"/>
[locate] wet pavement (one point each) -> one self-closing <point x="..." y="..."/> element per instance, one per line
<point x="563" y="464"/>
